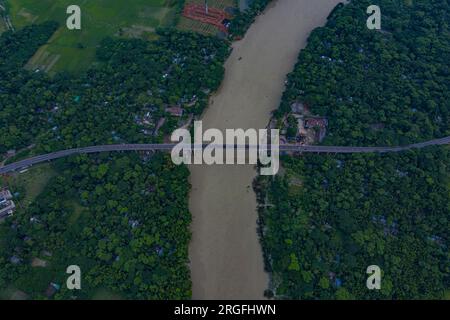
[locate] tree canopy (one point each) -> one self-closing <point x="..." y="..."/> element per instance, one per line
<point x="329" y="217"/>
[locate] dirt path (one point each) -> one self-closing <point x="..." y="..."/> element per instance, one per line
<point x="225" y="254"/>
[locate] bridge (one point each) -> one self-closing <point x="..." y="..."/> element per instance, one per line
<point x="169" y="146"/>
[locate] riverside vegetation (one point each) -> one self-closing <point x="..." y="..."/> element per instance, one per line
<point x="331" y="216"/>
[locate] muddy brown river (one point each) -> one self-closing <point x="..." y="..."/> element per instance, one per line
<point x="225" y="254"/>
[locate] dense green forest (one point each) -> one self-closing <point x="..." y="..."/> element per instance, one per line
<point x="123" y="219"/>
<point x="333" y="216"/>
<point x="125" y="222"/>
<point x="328" y="217"/>
<point x="385" y="87"/>
<point x="19" y="123"/>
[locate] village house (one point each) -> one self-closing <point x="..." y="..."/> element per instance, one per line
<point x="175" y="111"/>
<point x="317" y="123"/>
<point x="147" y="132"/>
<point x="297" y="108"/>
<point x="7" y="206"/>
<point x="147" y="118"/>
<point x="10" y="153"/>
<point x="15" y="260"/>
<point x="52" y="289"/>
<point x="192" y="101"/>
<point x="37" y="262"/>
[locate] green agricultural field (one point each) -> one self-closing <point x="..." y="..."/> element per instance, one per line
<point x="30" y="184"/>
<point x="75" y="50"/>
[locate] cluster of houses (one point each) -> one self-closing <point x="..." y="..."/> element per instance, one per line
<point x="151" y="124"/>
<point x="310" y="129"/>
<point x="7" y="205"/>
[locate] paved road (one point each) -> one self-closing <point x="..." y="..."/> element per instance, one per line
<point x="168" y="147"/>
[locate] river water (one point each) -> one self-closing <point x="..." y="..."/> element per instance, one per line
<point x="225" y="253"/>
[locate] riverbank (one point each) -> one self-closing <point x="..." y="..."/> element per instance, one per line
<point x="225" y="253"/>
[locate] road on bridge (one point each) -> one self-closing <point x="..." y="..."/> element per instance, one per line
<point x="169" y="146"/>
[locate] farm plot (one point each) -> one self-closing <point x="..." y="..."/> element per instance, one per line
<point x="74" y="50"/>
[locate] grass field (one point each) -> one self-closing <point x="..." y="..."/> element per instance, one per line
<point x="74" y="50"/>
<point x="77" y="212"/>
<point x="197" y="26"/>
<point x="32" y="183"/>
